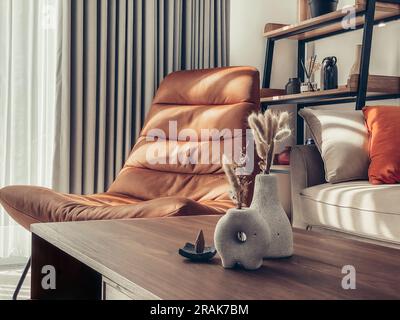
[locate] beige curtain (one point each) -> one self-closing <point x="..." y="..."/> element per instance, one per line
<point x="113" y="55"/>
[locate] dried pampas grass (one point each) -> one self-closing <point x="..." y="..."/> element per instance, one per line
<point x="268" y="129"/>
<point x="239" y="184"/>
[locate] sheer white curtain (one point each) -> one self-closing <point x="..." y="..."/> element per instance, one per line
<point x="28" y="54"/>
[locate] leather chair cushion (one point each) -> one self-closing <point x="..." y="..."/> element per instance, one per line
<point x="28" y="205"/>
<point x="221" y="86"/>
<point x="199" y="100"/>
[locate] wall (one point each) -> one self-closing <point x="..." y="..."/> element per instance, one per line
<point x="247" y="44"/>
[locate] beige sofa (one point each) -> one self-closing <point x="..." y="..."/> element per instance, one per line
<point x="355" y="208"/>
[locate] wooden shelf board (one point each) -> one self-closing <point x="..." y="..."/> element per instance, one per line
<point x="383" y="11"/>
<point x="269" y="27"/>
<point x="376" y="85"/>
<point x="341" y="90"/>
<point x="266" y="93"/>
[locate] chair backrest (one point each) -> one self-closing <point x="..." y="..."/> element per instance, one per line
<point x="174" y="156"/>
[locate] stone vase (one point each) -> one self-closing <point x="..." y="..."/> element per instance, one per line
<point x="266" y="202"/>
<point x="241" y="238"/>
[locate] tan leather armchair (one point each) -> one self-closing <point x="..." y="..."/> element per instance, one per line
<point x="204" y="99"/>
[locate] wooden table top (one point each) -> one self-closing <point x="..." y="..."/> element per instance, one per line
<point x="143" y="255"/>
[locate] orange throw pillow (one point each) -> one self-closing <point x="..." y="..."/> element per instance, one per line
<point x="383" y="124"/>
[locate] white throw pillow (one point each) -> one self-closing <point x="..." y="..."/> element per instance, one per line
<point x="342" y="138"/>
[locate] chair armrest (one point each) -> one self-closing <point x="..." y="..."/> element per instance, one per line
<point x="307" y="170"/>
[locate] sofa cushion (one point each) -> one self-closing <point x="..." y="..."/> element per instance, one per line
<point x="355" y="207"/>
<point x="383" y="125"/>
<point x="342" y="139"/>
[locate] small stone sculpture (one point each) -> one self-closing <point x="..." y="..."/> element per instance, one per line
<point x="241" y="236"/>
<point x="198" y="252"/>
<point x="241" y="239"/>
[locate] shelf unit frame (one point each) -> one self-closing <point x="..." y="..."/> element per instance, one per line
<point x="361" y="95"/>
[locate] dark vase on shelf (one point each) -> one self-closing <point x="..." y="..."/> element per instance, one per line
<point x="321" y="7"/>
<point x="310" y="142"/>
<point x="293" y="86"/>
<point x="329" y="74"/>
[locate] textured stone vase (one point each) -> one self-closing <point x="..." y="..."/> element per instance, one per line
<point x="241" y="238"/>
<point x="266" y="203"/>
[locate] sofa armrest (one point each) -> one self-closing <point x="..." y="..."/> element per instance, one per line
<point x="307" y="170"/>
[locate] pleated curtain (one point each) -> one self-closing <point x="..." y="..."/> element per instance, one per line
<point x="113" y="54"/>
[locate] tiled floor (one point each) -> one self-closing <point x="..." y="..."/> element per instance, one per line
<point x="9" y="277"/>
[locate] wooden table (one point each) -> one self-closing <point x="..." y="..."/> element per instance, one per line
<point x="139" y="260"/>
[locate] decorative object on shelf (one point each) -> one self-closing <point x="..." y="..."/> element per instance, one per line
<point x="303" y="10"/>
<point x="268" y="129"/>
<point x="309" y="87"/>
<point x="310" y="142"/>
<point x="321" y="7"/>
<point x="241" y="236"/>
<point x="293" y="86"/>
<point x="284" y="157"/>
<point x="309" y="70"/>
<point x="198" y="252"/>
<point x="355" y="69"/>
<point x="329" y="74"/>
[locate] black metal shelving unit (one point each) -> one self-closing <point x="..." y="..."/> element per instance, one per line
<point x="361" y="95"/>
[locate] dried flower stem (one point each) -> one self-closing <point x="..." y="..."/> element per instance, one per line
<point x="270" y="157"/>
<point x="268" y="129"/>
<point x="239" y="184"/>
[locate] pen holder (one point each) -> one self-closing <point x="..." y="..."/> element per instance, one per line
<point x="309" y="87"/>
